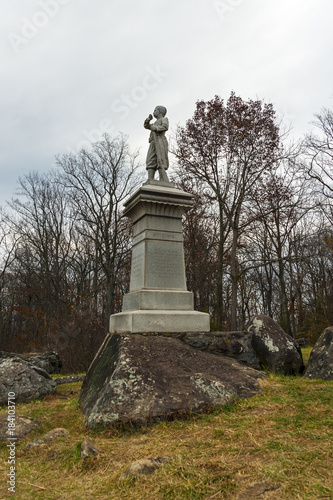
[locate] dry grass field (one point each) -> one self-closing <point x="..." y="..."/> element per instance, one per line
<point x="277" y="445"/>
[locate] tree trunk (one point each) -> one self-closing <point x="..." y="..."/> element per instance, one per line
<point x="234" y="279"/>
<point x="219" y="291"/>
<point x="285" y="318"/>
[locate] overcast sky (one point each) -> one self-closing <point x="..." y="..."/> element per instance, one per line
<point x="73" y="69"/>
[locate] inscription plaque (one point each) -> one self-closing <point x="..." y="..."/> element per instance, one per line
<point x="138" y="267"/>
<point x="165" y="265"/>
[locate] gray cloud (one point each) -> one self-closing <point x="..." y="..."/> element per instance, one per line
<point x="72" y="69"/>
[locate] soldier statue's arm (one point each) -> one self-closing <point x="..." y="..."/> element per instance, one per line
<point x="146" y="123"/>
<point x="161" y="125"/>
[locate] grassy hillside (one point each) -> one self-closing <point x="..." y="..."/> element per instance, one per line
<point x="282" y="438"/>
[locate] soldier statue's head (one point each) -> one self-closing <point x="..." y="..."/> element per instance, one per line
<point x="160" y="110"/>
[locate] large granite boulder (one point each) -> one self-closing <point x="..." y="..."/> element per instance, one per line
<point x="236" y="345"/>
<point x="278" y="352"/>
<point x="24" y="379"/>
<point x="321" y="358"/>
<point x="138" y="378"/>
<point x="48" y="361"/>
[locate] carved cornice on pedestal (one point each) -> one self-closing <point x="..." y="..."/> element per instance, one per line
<point x="153" y="199"/>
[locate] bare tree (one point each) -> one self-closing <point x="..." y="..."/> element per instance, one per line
<point x="8" y="242"/>
<point x="40" y="223"/>
<point x="318" y="163"/>
<point x="98" y="181"/>
<point x="229" y="148"/>
<point x="281" y="204"/>
<point x="200" y="228"/>
<point x="71" y="262"/>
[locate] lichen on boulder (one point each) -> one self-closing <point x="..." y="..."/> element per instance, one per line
<point x="277" y="351"/>
<point x="320" y="365"/>
<point x="138" y="378"/>
<point x="25" y="380"/>
<point x="48" y="361"/>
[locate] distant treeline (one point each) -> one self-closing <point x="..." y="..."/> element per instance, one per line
<point x="259" y="238"/>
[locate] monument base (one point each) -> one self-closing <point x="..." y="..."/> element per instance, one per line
<point x="158" y="299"/>
<point x="145" y="321"/>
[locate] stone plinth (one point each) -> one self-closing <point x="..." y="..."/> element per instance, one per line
<point x="158" y="299"/>
<point x="140" y="321"/>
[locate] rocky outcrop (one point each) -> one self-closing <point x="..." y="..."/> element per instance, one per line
<point x="236" y="345"/>
<point x="320" y="363"/>
<point x="25" y="380"/>
<point x="277" y="351"/>
<point x="135" y="378"/>
<point x="49" y="361"/>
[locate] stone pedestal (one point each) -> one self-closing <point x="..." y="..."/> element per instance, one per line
<point x="158" y="300"/>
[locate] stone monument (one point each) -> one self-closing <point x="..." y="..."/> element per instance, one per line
<point x="142" y="372"/>
<point x="158" y="300"/>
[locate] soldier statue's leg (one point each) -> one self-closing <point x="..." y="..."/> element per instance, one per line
<point x="151" y="161"/>
<point x="151" y="173"/>
<point x="163" y="175"/>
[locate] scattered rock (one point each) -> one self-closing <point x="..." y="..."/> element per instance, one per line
<point x="145" y="466"/>
<point x="53" y="435"/>
<point x="135" y="378"/>
<point x="69" y="380"/>
<point x="236" y="345"/>
<point x="48" y="361"/>
<point x="320" y="363"/>
<point x="258" y="490"/>
<point x="89" y="450"/>
<point x="24" y="379"/>
<point x="23" y="426"/>
<point x="277" y="351"/>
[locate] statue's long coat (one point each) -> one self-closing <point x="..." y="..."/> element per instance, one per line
<point x="158" y="151"/>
